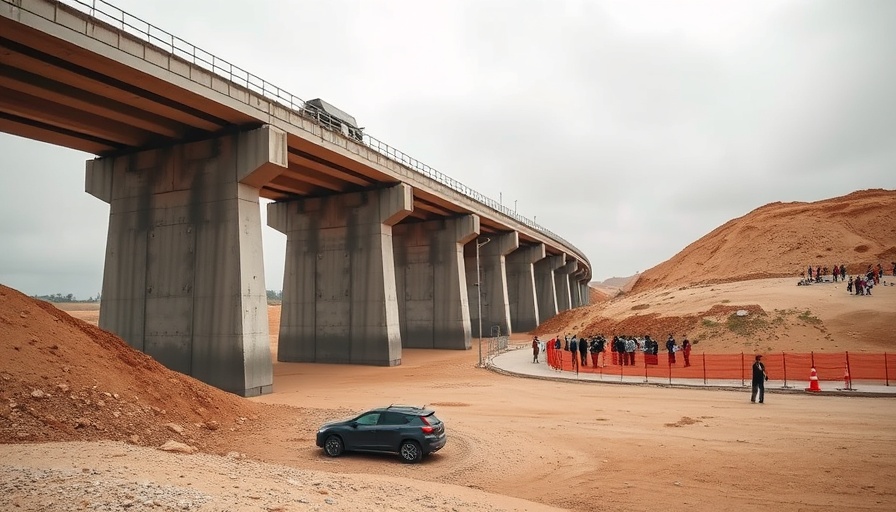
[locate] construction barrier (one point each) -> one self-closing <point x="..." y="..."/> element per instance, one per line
<point x="784" y="366"/>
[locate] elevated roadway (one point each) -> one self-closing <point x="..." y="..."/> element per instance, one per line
<point x="90" y="77"/>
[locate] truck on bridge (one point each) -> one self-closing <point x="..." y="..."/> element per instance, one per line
<point x="333" y="118"/>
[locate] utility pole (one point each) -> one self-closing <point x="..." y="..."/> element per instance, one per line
<point x="479" y="292"/>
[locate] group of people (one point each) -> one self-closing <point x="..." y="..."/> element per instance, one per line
<point x="862" y="282"/>
<point x="623" y="349"/>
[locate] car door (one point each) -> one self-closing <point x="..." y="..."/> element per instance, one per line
<point x="361" y="435"/>
<point x="391" y="430"/>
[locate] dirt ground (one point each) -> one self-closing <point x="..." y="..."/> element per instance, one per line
<point x="516" y="443"/>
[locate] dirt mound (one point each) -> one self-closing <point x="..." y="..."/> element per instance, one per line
<point x="657" y="325"/>
<point x="62" y="379"/>
<point x="783" y="239"/>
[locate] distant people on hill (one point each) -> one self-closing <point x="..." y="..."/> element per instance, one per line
<point x="686" y="350"/>
<point x="849" y="285"/>
<point x="810" y="272"/>
<point x="574" y="349"/>
<point x="894" y="268"/>
<point x="818" y="274"/>
<point x="836" y="272"/>
<point x="842" y="272"/>
<point x="536" y="348"/>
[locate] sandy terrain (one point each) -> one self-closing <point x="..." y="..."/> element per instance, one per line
<point x="82" y="415"/>
<point x="515" y="444"/>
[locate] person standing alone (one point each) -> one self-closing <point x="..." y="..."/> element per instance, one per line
<point x="759" y="378"/>
<point x="536" y="348"/>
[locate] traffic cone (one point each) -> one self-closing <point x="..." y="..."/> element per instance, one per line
<point x="813" y="381"/>
<point x="847" y="382"/>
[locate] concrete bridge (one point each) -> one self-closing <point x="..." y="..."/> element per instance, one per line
<point x="382" y="253"/>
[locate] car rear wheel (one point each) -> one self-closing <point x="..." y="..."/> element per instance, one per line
<point x="333" y="446"/>
<point x="410" y="452"/>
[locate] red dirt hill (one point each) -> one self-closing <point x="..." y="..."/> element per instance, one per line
<point x="62" y="379"/>
<point x="783" y="239"/>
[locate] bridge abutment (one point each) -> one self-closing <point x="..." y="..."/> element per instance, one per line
<point x="184" y="273"/>
<point x="339" y="292"/>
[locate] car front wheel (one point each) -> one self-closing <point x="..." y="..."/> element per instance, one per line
<point x="333" y="446"/>
<point x="411" y="452"/>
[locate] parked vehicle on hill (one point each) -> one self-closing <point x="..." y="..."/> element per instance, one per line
<point x="409" y="431"/>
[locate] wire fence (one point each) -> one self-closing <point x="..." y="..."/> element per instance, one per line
<point x="103" y="13"/>
<point x="843" y="367"/>
<point x="495" y="345"/>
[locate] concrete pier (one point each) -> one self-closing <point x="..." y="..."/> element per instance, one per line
<point x="184" y="273"/>
<point x="433" y="304"/>
<point x="521" y="287"/>
<point x="545" y="285"/>
<point x="492" y="281"/>
<point x="339" y="290"/>
<point x="562" y="278"/>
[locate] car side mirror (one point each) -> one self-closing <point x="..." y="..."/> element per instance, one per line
<point x="354" y="424"/>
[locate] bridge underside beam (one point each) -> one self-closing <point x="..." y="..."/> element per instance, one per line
<point x="339" y="292"/>
<point x="184" y="272"/>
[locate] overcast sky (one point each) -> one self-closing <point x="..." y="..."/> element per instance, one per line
<point x="629" y="128"/>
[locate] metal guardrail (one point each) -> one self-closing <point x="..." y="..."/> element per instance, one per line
<point x="165" y="41"/>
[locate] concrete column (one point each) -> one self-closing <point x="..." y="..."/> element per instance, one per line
<point x="184" y="273"/>
<point x="492" y="282"/>
<point x="433" y="305"/>
<point x="586" y="292"/>
<point x="575" y="288"/>
<point x="521" y="287"/>
<point x="339" y="296"/>
<point x="561" y="278"/>
<point x="546" y="289"/>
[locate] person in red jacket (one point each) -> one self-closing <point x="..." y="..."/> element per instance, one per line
<point x="686" y="350"/>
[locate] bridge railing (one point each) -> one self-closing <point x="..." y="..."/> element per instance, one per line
<point x="165" y="41"/>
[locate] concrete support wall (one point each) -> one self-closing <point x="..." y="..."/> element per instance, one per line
<point x="184" y="273"/>
<point x="433" y="303"/>
<point x="545" y="285"/>
<point x="521" y="287"/>
<point x="492" y="281"/>
<point x="561" y="278"/>
<point x="575" y="288"/>
<point x="586" y="292"/>
<point x="339" y="292"/>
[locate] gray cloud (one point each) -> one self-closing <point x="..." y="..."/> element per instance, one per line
<point x="629" y="128"/>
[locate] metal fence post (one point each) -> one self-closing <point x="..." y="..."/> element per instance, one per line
<point x="784" y="359"/>
<point x="704" y="368"/>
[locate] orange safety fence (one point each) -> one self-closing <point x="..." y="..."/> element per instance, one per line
<point x="782" y="366"/>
